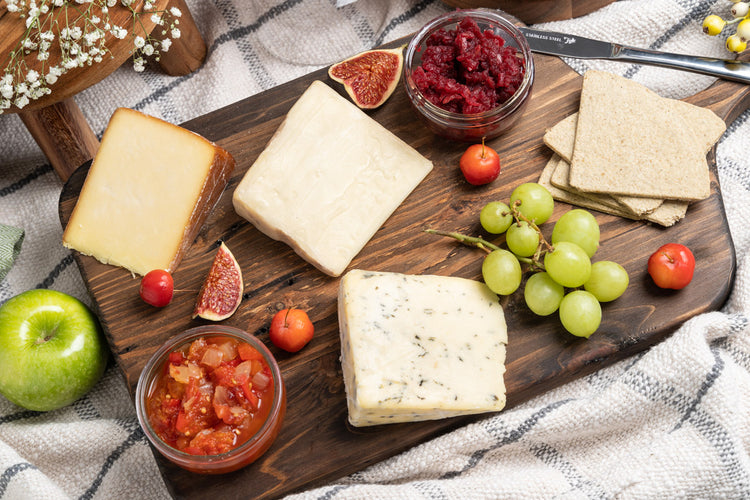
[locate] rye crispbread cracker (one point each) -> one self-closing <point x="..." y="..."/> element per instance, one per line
<point x="618" y="151"/>
<point x="633" y="204"/>
<point x="571" y="197"/>
<point x="561" y="139"/>
<point x="559" y="179"/>
<point x="666" y="215"/>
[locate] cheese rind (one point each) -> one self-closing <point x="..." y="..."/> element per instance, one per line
<point x="419" y="347"/>
<point x="328" y="180"/>
<point x="148" y="191"/>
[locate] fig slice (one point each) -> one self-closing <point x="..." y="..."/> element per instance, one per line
<point x="221" y="292"/>
<point x="370" y="77"/>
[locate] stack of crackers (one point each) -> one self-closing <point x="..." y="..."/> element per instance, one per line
<point x="630" y="152"/>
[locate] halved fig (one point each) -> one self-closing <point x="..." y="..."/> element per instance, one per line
<point x="370" y="77"/>
<point x="221" y="292"/>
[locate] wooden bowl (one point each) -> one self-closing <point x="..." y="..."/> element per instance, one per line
<point x="535" y="11"/>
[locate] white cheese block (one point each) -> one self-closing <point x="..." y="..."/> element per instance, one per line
<point x="147" y="193"/>
<point x="419" y="347"/>
<point x="328" y="179"/>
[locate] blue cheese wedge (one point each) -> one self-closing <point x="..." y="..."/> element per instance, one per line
<point x="419" y="347"/>
<point x="328" y="179"/>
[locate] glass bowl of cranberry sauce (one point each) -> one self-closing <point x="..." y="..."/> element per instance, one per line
<point x="469" y="74"/>
<point x="211" y="399"/>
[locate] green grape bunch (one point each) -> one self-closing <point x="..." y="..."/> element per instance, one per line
<point x="714" y="25"/>
<point x="563" y="278"/>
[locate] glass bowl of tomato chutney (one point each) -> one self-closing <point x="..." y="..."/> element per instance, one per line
<point x="211" y="399"/>
<point x="469" y="74"/>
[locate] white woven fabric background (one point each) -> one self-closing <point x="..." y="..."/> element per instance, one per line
<point x="669" y="423"/>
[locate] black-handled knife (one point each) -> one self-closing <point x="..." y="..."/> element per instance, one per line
<point x="565" y="45"/>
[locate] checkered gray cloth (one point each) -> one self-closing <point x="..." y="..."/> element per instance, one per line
<point x="670" y="422"/>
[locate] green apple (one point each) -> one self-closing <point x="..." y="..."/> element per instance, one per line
<point x="52" y="350"/>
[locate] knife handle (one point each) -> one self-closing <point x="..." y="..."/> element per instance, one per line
<point x="727" y="69"/>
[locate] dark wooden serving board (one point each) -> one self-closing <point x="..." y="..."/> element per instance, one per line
<point x="316" y="445"/>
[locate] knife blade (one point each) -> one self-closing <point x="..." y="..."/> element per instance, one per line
<point x="574" y="46"/>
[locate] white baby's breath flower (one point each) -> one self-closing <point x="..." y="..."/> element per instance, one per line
<point x="6" y="91"/>
<point x="119" y="32"/>
<point x="92" y="37"/>
<point x="42" y="56"/>
<point x="22" y="88"/>
<point x="139" y="64"/>
<point x="59" y="3"/>
<point x="175" y="33"/>
<point x="175" y="11"/>
<point x="4" y="104"/>
<point x="12" y="8"/>
<point x="21" y="101"/>
<point x="35" y="93"/>
<point x="148" y="49"/>
<point x="139" y="42"/>
<point x="50" y="78"/>
<point x="165" y="44"/>
<point x="156" y="19"/>
<point x="32" y="76"/>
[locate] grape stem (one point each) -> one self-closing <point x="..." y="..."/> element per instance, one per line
<point x="534" y="262"/>
<point x="471" y="241"/>
<point x="474" y="241"/>
<point x="544" y="245"/>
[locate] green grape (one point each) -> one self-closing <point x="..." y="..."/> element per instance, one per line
<point x="580" y="227"/>
<point x="522" y="239"/>
<point x="501" y="272"/>
<point x="580" y="313"/>
<point x="536" y="202"/>
<point x="608" y="280"/>
<point x="543" y="294"/>
<point x="568" y="264"/>
<point x="492" y="219"/>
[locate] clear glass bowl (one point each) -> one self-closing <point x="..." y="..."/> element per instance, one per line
<point x="245" y="453"/>
<point x="469" y="127"/>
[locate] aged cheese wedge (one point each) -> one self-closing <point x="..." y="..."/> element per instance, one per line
<point x="419" y="347"/>
<point x="147" y="193"/>
<point x="328" y="179"/>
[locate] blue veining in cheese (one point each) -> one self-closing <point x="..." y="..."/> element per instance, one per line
<point x="419" y="347"/>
